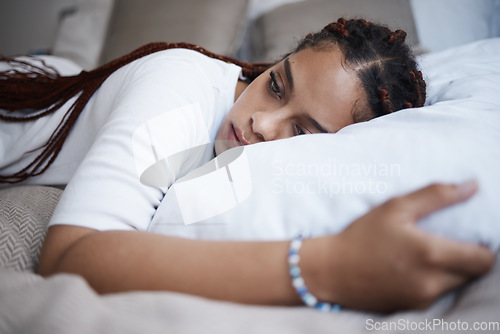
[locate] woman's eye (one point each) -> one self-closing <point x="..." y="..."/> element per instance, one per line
<point x="275" y="88"/>
<point x="299" y="131"/>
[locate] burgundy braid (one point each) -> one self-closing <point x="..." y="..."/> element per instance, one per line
<point x="384" y="98"/>
<point x="43" y="89"/>
<point x="338" y="28"/>
<point x="397" y="36"/>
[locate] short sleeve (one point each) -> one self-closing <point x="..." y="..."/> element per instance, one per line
<point x="163" y="106"/>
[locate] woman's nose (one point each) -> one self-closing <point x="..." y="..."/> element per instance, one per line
<point x="269" y="125"/>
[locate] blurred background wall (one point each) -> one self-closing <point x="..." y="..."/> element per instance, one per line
<point x="91" y="32"/>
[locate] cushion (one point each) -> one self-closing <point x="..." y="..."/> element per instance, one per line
<point x="82" y="30"/>
<point x="440" y="24"/>
<point x="24" y="214"/>
<point x="318" y="184"/>
<point x="216" y="25"/>
<point x="277" y="32"/>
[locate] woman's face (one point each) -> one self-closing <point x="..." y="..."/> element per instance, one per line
<point x="308" y="92"/>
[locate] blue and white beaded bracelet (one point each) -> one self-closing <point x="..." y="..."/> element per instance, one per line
<point x="298" y="282"/>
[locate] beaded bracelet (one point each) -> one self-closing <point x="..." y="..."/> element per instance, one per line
<point x="298" y="282"/>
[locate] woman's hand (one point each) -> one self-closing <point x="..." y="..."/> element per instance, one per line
<point x="384" y="262"/>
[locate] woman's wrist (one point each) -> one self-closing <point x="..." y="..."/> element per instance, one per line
<point x="298" y="282"/>
<point x="318" y="268"/>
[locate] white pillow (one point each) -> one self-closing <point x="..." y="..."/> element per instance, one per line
<point x="319" y="184"/>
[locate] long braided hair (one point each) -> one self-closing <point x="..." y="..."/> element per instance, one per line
<point x="385" y="65"/>
<point x="26" y="86"/>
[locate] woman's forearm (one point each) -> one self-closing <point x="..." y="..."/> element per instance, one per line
<point x="246" y="272"/>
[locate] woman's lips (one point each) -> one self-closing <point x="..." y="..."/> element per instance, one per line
<point x="239" y="136"/>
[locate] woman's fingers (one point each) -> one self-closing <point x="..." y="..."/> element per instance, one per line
<point x="398" y="264"/>
<point x="424" y="201"/>
<point x="460" y="257"/>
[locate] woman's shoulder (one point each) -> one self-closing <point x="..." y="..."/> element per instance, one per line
<point x="178" y="71"/>
<point x="184" y="60"/>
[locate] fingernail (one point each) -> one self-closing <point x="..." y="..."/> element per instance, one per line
<point x="467" y="188"/>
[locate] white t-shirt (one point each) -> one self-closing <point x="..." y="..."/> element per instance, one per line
<point x="150" y="122"/>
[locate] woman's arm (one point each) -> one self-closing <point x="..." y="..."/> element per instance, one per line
<point x="381" y="262"/>
<point x="113" y="261"/>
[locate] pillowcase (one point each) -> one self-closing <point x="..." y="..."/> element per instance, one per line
<point x="319" y="184"/>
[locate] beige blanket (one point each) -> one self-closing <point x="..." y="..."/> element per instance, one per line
<point x="66" y="304"/>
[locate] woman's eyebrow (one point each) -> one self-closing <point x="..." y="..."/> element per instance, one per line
<point x="288" y="73"/>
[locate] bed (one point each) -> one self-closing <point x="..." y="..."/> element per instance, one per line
<point x="63" y="303"/>
<point x="463" y="99"/>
